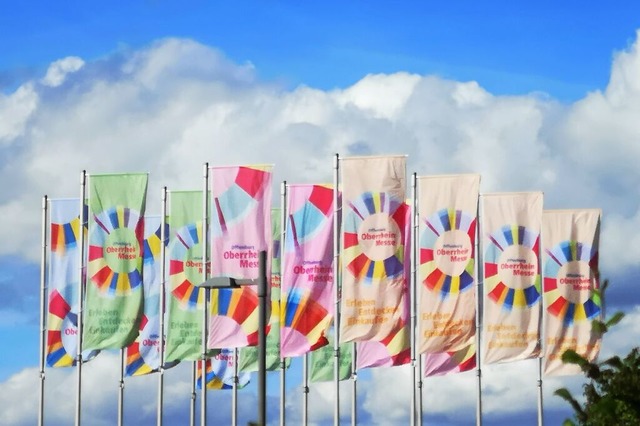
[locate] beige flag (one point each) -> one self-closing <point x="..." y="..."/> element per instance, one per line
<point x="511" y="225"/>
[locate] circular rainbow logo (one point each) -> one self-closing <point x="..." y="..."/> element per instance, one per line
<point x="373" y="237"/>
<point x="115" y="254"/>
<point x="569" y="280"/>
<point x="447" y="253"/>
<point x="511" y="267"/>
<point x="185" y="266"/>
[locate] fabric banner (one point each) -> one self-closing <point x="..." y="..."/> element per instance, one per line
<point x="395" y="349"/>
<point x="447" y="209"/>
<point x="220" y="374"/>
<point x="570" y="269"/>
<point x="308" y="269"/>
<point x="143" y="355"/>
<point x="248" y="358"/>
<point x="113" y="307"/>
<point x="322" y="361"/>
<point x="442" y="363"/>
<point x="511" y="246"/>
<point x="240" y="229"/>
<point x="185" y="300"/>
<point x="64" y="265"/>
<point x="374" y="284"/>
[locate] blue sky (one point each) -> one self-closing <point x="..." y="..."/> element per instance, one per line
<point x="543" y="96"/>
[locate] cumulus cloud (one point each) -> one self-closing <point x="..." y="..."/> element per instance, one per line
<point x="58" y="70"/>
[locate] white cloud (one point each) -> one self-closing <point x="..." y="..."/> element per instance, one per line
<point x="58" y="70"/>
<point x="15" y="110"/>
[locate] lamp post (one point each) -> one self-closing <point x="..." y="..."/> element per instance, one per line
<point x="228" y="282"/>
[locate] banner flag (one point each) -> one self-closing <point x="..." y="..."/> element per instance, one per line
<point x="62" y="318"/>
<point x="570" y="269"/>
<point x="220" y="374"/>
<point x="240" y="229"/>
<point x="322" y="361"/>
<point x="185" y="300"/>
<point x="143" y="355"/>
<point x="308" y="269"/>
<point x="248" y="357"/>
<point x="395" y="349"/>
<point x="447" y="209"/>
<point x="374" y="283"/>
<point x="442" y="363"/>
<point x="113" y="306"/>
<point x="511" y="246"/>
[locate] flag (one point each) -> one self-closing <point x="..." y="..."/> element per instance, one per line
<point x="185" y="300"/>
<point x="395" y="349"/>
<point x="442" y="363"/>
<point x="511" y="238"/>
<point x="64" y="266"/>
<point x="322" y="362"/>
<point x="143" y="355"/>
<point x="248" y="357"/>
<point x="220" y="371"/>
<point x="113" y="307"/>
<point x="374" y="284"/>
<point x="447" y="209"/>
<point x="570" y="269"/>
<point x="240" y="229"/>
<point x="308" y="269"/>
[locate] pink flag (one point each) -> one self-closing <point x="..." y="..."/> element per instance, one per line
<point x="571" y="239"/>
<point x="441" y="363"/>
<point x="240" y="229"/>
<point x="307" y="281"/>
<point x="511" y="238"/>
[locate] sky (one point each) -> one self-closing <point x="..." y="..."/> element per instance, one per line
<point x="543" y="96"/>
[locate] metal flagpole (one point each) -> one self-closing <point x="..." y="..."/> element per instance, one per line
<point x="479" y="298"/>
<point x="540" y="333"/>
<point x="412" y="296"/>
<point x="163" y="272"/>
<point x="121" y="389"/>
<point x="83" y="219"/>
<point x="205" y="258"/>
<point x="354" y="385"/>
<point x="336" y="295"/>
<point x="305" y="389"/>
<point x="262" y="338"/>
<point x="43" y="298"/>
<point x="419" y="390"/>
<point x="234" y="397"/>
<point x="283" y="235"/>
<point x="194" y="377"/>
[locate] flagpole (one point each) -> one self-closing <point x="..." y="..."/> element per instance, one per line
<point x="121" y="389"/>
<point x="540" y="331"/>
<point x="479" y="298"/>
<point x="412" y="296"/>
<point x="192" y="410"/>
<point x="354" y="385"/>
<point x="83" y="219"/>
<point x="43" y="297"/>
<point x="205" y="258"/>
<point x="420" y="390"/>
<point x="163" y="272"/>
<point x="336" y="295"/>
<point x="305" y="389"/>
<point x="283" y="235"/>
<point x="234" y="396"/>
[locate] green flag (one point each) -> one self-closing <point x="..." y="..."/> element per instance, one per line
<point x="248" y="356"/>
<point x="185" y="300"/>
<point x="322" y="362"/>
<point x="113" y="305"/>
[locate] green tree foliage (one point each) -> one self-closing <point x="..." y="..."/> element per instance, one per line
<point x="612" y="392"/>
